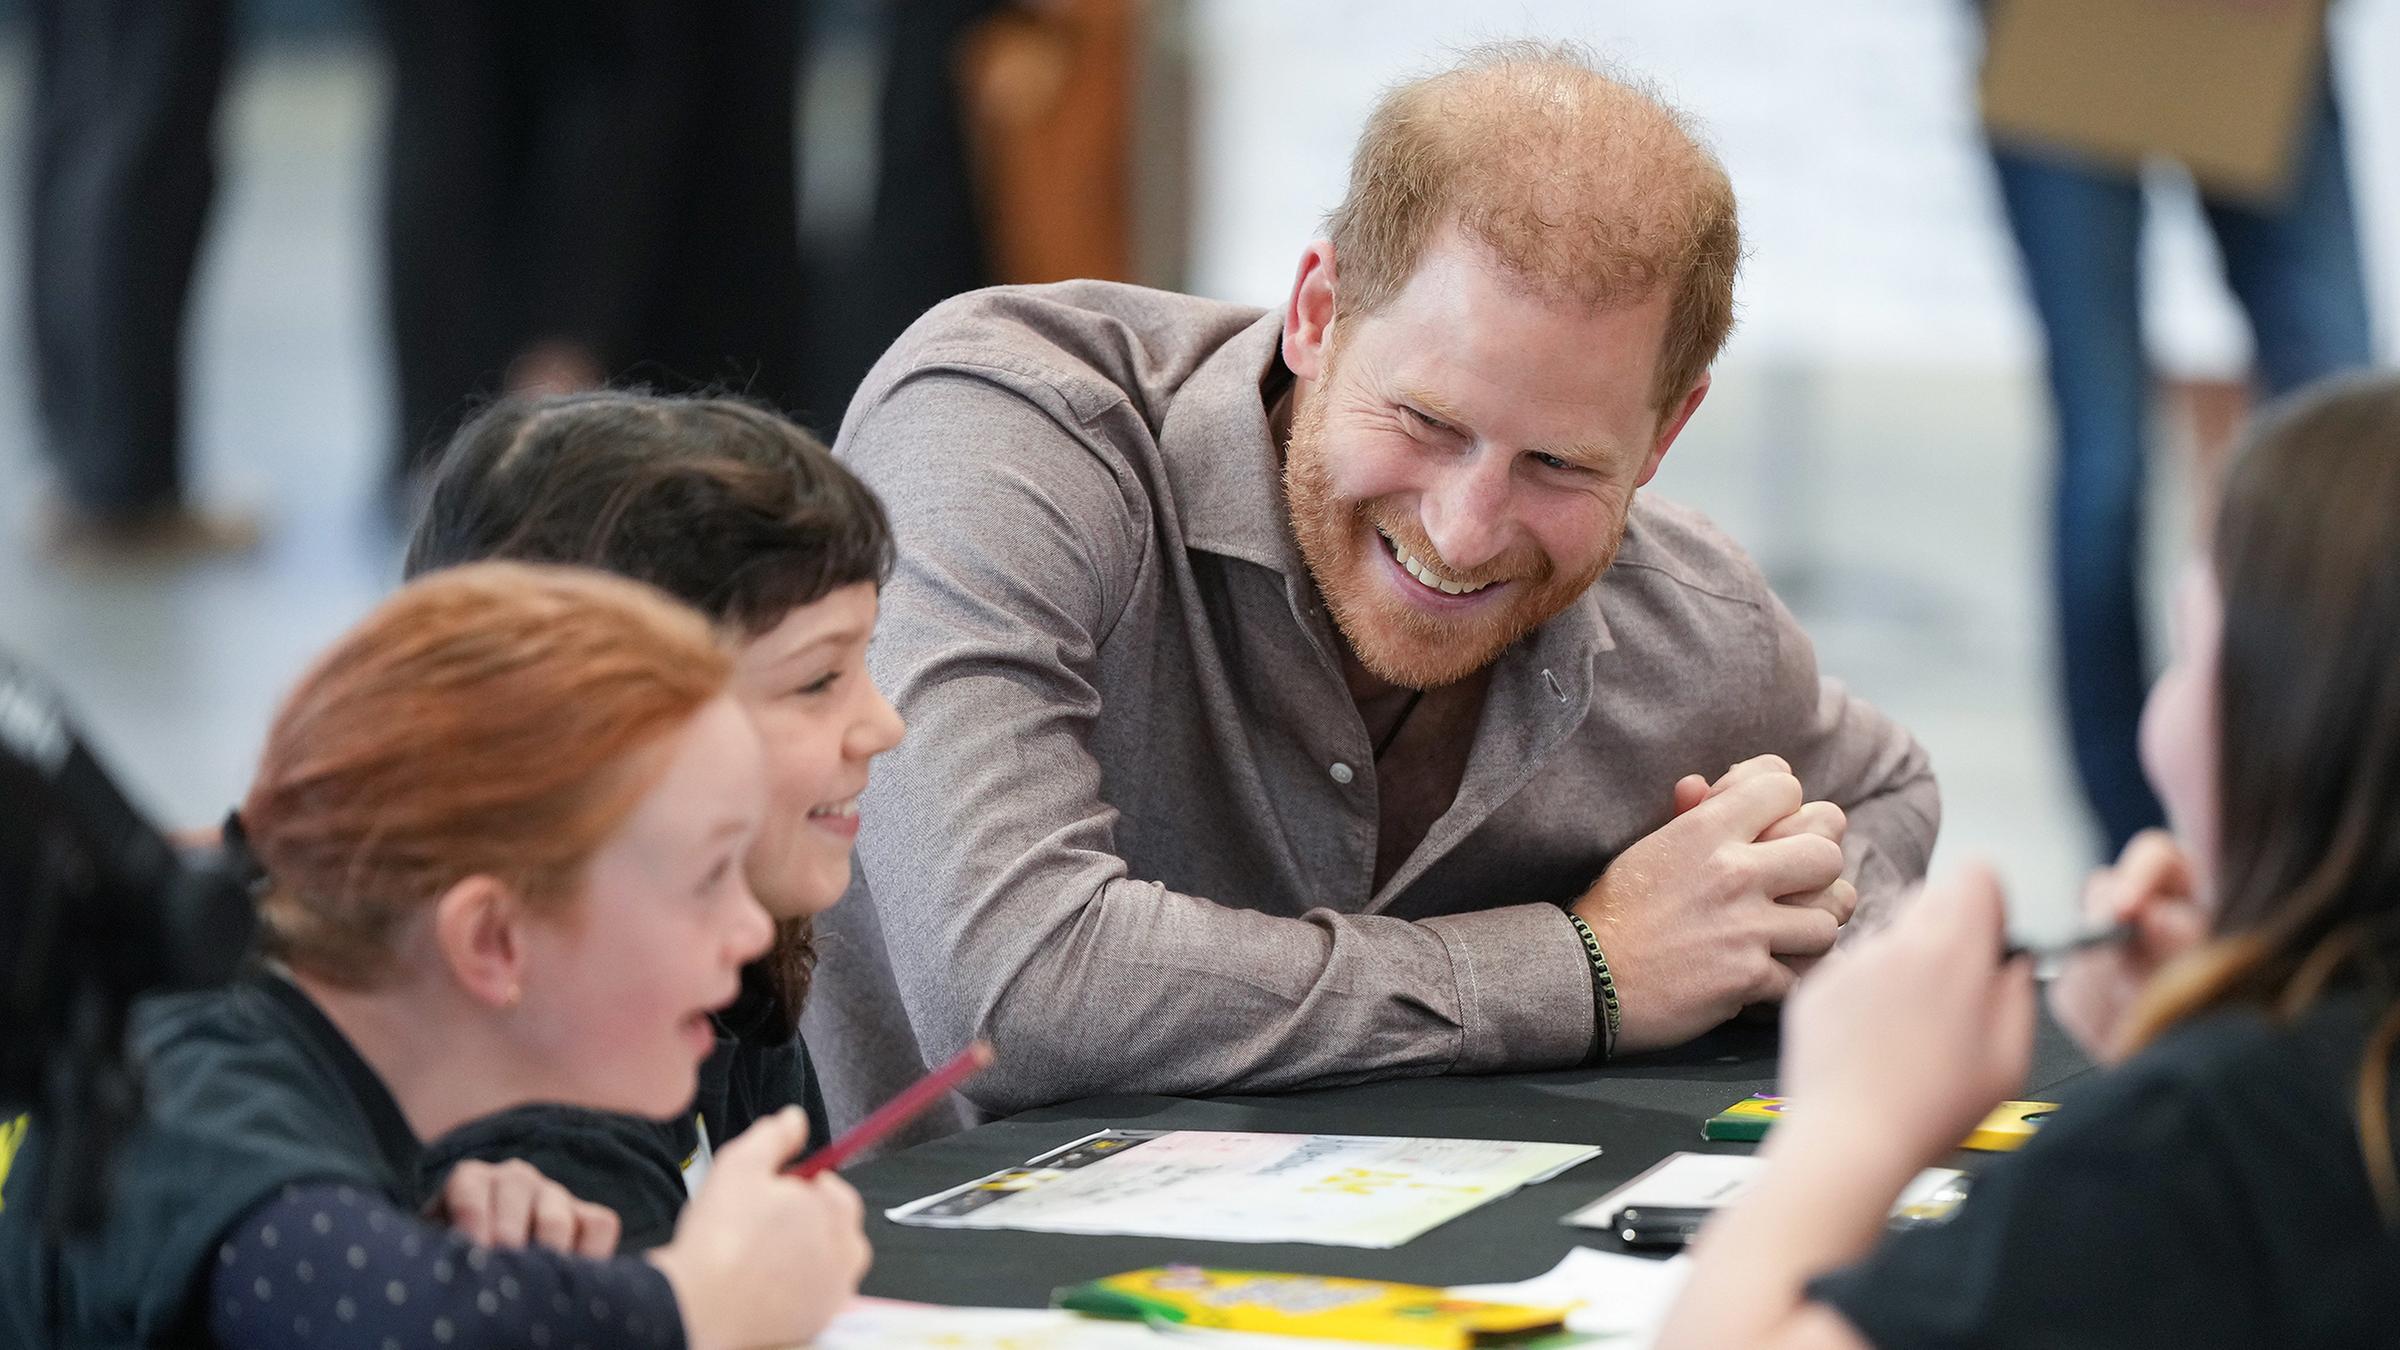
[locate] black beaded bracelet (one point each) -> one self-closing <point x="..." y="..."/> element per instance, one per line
<point x="1605" y="1014"/>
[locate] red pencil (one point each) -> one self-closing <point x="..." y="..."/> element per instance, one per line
<point x="897" y="1112"/>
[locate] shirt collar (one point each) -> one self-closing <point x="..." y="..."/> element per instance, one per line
<point x="1221" y="454"/>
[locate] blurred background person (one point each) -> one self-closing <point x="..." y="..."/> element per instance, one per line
<point x="2292" y="261"/>
<point x="1002" y="152"/>
<point x="928" y="240"/>
<point x="122" y="170"/>
<point x="577" y="191"/>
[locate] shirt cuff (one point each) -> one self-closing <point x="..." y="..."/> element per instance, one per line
<point x="1524" y="988"/>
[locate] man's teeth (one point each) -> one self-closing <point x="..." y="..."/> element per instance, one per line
<point x="843" y="808"/>
<point x="1426" y="574"/>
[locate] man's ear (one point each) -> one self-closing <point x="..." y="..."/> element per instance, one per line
<point x="1670" y="426"/>
<point x="478" y="927"/>
<point x="1308" y="315"/>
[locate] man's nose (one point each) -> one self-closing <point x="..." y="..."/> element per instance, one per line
<point x="1466" y="513"/>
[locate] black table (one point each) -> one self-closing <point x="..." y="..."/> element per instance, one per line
<point x="1637" y="1110"/>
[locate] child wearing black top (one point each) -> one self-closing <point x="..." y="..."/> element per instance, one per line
<point x="501" y="827"/>
<point x="280" y="1174"/>
<point x="2232" y="1180"/>
<point x="744" y="516"/>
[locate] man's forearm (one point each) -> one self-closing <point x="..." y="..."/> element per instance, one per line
<point x="1146" y="990"/>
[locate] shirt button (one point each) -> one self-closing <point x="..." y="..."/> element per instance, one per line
<point x="1341" y="773"/>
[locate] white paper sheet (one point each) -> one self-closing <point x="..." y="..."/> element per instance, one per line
<point x="1337" y="1190"/>
<point x="879" y="1324"/>
<point x="1622" y="1298"/>
<point x="1714" y="1180"/>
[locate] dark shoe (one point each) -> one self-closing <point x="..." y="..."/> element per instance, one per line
<point x="167" y="534"/>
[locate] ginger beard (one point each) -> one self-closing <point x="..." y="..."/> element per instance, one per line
<point x="1412" y="638"/>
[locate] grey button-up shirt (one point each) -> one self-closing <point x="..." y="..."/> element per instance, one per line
<point x="1130" y="836"/>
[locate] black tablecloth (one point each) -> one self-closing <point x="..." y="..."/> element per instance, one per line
<point x="1637" y="1111"/>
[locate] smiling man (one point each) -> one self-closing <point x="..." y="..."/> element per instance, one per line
<point x="1306" y="696"/>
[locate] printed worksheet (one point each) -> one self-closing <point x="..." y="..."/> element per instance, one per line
<point x="1715" y="1180"/>
<point x="1217" y="1186"/>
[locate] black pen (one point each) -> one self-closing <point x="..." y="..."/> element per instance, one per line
<point x="2090" y="937"/>
<point x="1661" y="1225"/>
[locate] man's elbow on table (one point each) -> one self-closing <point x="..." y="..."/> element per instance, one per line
<point x="1050" y="1043"/>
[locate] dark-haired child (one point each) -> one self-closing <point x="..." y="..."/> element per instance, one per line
<point x="743" y="515"/>
<point x="2231" y="1181"/>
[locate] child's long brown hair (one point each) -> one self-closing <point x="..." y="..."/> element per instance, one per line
<point x="2307" y="556"/>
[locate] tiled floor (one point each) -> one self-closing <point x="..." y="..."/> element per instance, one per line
<point x="1896" y="499"/>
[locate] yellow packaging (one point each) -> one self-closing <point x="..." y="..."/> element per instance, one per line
<point x="1324" y="1306"/>
<point x="2008" y="1126"/>
<point x="12" y="1136"/>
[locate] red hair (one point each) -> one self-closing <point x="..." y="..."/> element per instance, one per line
<point x="486" y="720"/>
<point x="1588" y="189"/>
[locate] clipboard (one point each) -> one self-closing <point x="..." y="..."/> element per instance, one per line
<point x="2225" y="87"/>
